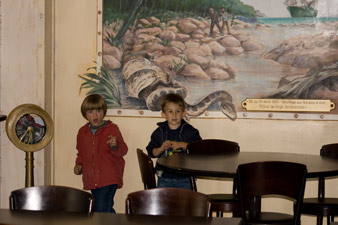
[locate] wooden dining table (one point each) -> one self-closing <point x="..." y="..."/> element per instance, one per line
<point x="225" y="165"/>
<point x="17" y="217"/>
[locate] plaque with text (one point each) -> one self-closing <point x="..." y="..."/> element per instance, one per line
<point x="288" y="105"/>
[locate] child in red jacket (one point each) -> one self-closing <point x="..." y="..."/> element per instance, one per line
<point x="101" y="148"/>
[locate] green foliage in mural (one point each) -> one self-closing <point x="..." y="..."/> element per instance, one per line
<point x="102" y="84"/>
<point x="114" y="9"/>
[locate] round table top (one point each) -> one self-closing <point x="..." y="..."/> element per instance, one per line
<point x="225" y="165"/>
<point x="27" y="217"/>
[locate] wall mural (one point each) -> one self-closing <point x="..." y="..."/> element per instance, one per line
<point x="216" y="54"/>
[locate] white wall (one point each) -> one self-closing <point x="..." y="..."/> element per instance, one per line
<point x="21" y="81"/>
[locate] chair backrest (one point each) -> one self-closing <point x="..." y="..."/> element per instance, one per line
<point x="168" y="201"/>
<point x="212" y="146"/>
<point x="51" y="198"/>
<point x="284" y="179"/>
<point x="330" y="150"/>
<point x="147" y="170"/>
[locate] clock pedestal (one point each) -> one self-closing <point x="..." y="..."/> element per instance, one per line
<point x="29" y="128"/>
<point x="29" y="182"/>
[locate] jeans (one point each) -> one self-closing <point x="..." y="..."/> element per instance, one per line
<point x="104" y="198"/>
<point x="184" y="183"/>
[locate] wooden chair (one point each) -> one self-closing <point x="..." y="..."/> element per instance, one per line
<point x="219" y="202"/>
<point x="212" y="147"/>
<point x="146" y="169"/>
<point x="279" y="179"/>
<point x="323" y="206"/>
<point x="51" y="198"/>
<point x="168" y="201"/>
<point x="148" y="172"/>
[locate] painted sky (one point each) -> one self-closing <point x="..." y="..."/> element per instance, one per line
<point x="328" y="8"/>
<point x="276" y="8"/>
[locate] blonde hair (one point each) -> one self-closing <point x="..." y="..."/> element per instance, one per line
<point x="173" y="98"/>
<point x="94" y="101"/>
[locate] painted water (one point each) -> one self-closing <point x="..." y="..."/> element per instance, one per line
<point x="258" y="77"/>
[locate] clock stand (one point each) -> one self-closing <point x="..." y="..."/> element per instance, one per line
<point x="29" y="128"/>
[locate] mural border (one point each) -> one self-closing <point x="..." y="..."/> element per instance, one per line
<point x="207" y="114"/>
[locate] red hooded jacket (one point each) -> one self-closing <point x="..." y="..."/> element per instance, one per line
<point x="101" y="166"/>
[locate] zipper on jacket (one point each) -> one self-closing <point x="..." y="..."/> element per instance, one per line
<point x="93" y="164"/>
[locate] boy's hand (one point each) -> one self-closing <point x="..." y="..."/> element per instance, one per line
<point x="166" y="145"/>
<point x="176" y="145"/>
<point x="158" y="151"/>
<point x="112" y="141"/>
<point x="78" y="169"/>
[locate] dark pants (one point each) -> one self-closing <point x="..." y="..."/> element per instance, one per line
<point x="104" y="198"/>
<point x="213" y="23"/>
<point x="176" y="183"/>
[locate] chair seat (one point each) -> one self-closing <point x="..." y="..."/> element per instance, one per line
<point x="224" y="203"/>
<point x="317" y="206"/>
<point x="223" y="197"/>
<point x="270" y="218"/>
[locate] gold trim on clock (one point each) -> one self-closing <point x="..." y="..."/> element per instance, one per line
<point x="12" y="122"/>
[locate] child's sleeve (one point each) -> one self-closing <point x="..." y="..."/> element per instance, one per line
<point x="155" y="142"/>
<point x="79" y="158"/>
<point x="195" y="136"/>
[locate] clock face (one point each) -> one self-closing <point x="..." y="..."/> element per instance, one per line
<point x="29" y="127"/>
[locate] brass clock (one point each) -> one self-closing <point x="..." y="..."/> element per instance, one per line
<point x="29" y="127"/>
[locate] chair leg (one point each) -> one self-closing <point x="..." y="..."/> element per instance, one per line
<point x="330" y="218"/>
<point x="193" y="183"/>
<point x="219" y="214"/>
<point x="236" y="214"/>
<point x="210" y="214"/>
<point x="319" y="220"/>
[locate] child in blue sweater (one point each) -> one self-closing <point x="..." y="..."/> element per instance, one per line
<point x="172" y="137"/>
